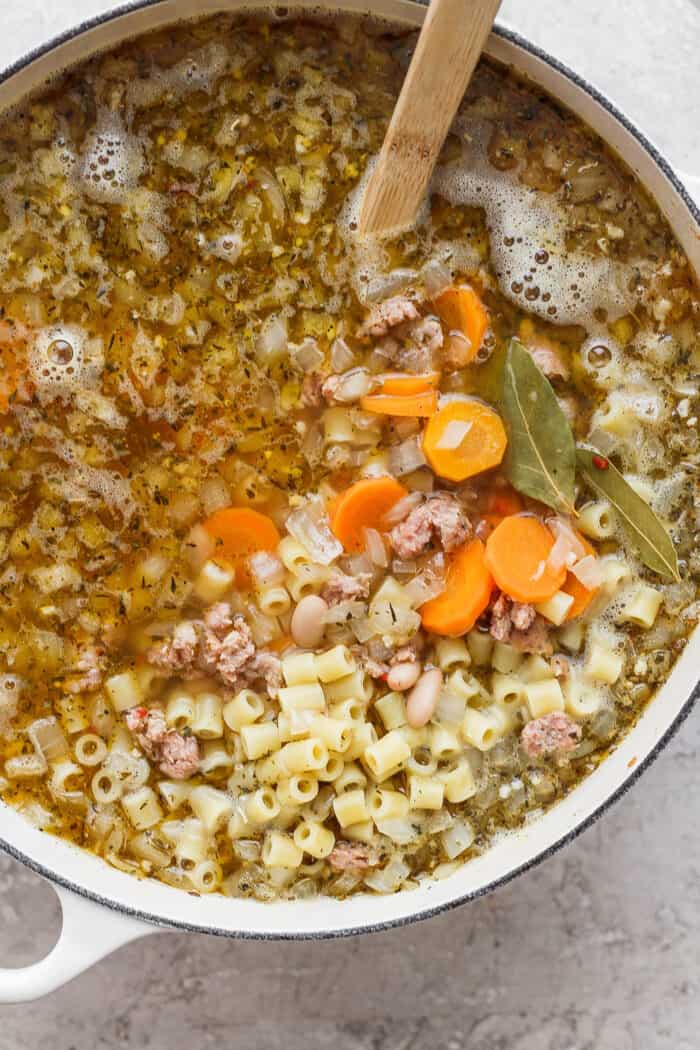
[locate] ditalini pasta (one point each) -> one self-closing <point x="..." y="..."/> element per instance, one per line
<point x="283" y="612"/>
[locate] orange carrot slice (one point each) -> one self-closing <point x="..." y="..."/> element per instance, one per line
<point x="482" y="445"/>
<point x="466" y="595"/>
<point x="423" y="404"/>
<point x="239" y="532"/>
<point x="516" y="555"/>
<point x="573" y="586"/>
<point x="363" y="506"/>
<point x="405" y="384"/>
<point x="461" y="308"/>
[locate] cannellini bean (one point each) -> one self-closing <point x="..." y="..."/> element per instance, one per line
<point x="423" y="698"/>
<point x="402" y="676"/>
<point x="308" y="621"/>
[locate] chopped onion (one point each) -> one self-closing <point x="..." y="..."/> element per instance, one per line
<point x="273" y="193"/>
<point x="436" y="277"/>
<point x="214" y="494"/>
<point x="406" y="457"/>
<point x="403" y="568"/>
<point x="362" y="629"/>
<point x="453" y="435"/>
<point x="387" y="284"/>
<point x="567" y="547"/>
<point x="312" y="445"/>
<point x="344" y="612"/>
<point x="374" y="545"/>
<point x="359" y="563"/>
<point x="458" y="838"/>
<point x="306" y="355"/>
<point x="353" y="385"/>
<point x="47" y="738"/>
<point x="390" y="619"/>
<point x="199" y="546"/>
<point x="311" y="527"/>
<point x="265" y="568"/>
<point x="262" y="627"/>
<point x="588" y="571"/>
<point x="272" y="340"/>
<point x="423" y="587"/>
<point x="342" y="356"/>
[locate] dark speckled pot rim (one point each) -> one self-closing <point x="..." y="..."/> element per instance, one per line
<point x="428" y="913"/>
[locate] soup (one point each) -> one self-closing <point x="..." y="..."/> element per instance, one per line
<point x="323" y="561"/>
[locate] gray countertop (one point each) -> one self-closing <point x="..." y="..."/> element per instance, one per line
<point x="597" y="949"/>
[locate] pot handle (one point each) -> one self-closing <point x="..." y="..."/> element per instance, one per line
<point x="692" y="184"/>
<point x="89" y="931"/>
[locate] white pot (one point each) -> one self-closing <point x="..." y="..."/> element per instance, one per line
<point x="104" y="908"/>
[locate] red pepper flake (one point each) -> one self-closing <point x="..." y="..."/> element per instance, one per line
<point x="600" y="462"/>
<point x="141" y="712"/>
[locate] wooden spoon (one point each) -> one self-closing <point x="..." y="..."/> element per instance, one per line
<point x="448" y="48"/>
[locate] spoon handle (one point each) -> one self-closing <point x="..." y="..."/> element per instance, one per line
<point x="448" y="48"/>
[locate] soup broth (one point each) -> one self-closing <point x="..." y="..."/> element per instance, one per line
<point x="324" y="561"/>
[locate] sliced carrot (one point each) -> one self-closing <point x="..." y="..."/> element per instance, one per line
<point x="424" y="404"/>
<point x="239" y="532"/>
<point x="481" y="448"/>
<point x="404" y="384"/>
<point x="466" y="595"/>
<point x="461" y="308"/>
<point x="363" y="506"/>
<point x="573" y="586"/>
<point x="516" y="555"/>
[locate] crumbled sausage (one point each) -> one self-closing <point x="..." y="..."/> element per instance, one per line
<point x="176" y="755"/>
<point x="89" y="670"/>
<point x="441" y="517"/>
<point x="386" y="315"/>
<point x="553" y="732"/>
<point x="546" y="356"/>
<point x="342" y="588"/>
<point x="535" y="639"/>
<point x="222" y="645"/>
<point x="351" y="856"/>
<point x="178" y="652"/>
<point x="512" y="622"/>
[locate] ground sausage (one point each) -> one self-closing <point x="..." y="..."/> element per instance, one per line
<point x="546" y="356"/>
<point x="342" y="588"/>
<point x="510" y="618"/>
<point x="553" y="732"/>
<point x="384" y="316"/>
<point x="311" y="395"/>
<point x="177" y="755"/>
<point x="89" y="670"/>
<point x="351" y="856"/>
<point x="178" y="652"/>
<point x="442" y="518"/>
<point x="536" y="639"/>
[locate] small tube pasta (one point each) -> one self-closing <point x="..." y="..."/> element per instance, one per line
<point x="299" y="669"/>
<point x="452" y="654"/>
<point x="350" y="807"/>
<point x="334" y="664"/>
<point x="309" y="696"/>
<point x="351" y="777"/>
<point x="259" y="739"/>
<point x="206" y="876"/>
<point x="355" y="686"/>
<point x="643" y="606"/>
<point x="273" y="601"/>
<point x="505" y="658"/>
<point x="303" y="755"/>
<point x="124" y="691"/>
<point x="392" y="710"/>
<point x="363" y="736"/>
<point x="602" y="663"/>
<point x="597" y="520"/>
<point x="336" y="734"/>
<point x="262" y="806"/>
<point x="314" y="839"/>
<point x="459" y="781"/>
<point x="292" y="554"/>
<point x="387" y="755"/>
<point x="425" y="792"/>
<point x="245" y="708"/>
<point x="174" y="793"/>
<point x="299" y="789"/>
<point x="180" y="710"/>
<point x="213" y="581"/>
<point x="142" y="808"/>
<point x="89" y="749"/>
<point x="444" y="742"/>
<point x="211" y="806"/>
<point x="483" y="729"/>
<point x="555" y="609"/>
<point x="543" y="697"/>
<point x="384" y="804"/>
<point x="281" y="851"/>
<point x="208" y="721"/>
<point x="480" y="645"/>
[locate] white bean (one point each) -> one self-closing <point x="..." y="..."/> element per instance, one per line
<point x="309" y="621"/>
<point x="403" y="675"/>
<point x="423" y="698"/>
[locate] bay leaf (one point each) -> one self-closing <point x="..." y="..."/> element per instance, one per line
<point x="540" y="460"/>
<point x="648" y="535"/>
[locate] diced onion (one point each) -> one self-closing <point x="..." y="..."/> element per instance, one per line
<point x="450" y="707"/>
<point x="342" y="356"/>
<point x="402" y="509"/>
<point x="436" y="277"/>
<point x="458" y="838"/>
<point x="406" y="457"/>
<point x="311" y="527"/>
<point x="453" y="435"/>
<point x="273" y="193"/>
<point x="266" y="568"/>
<point x="374" y="545"/>
<point x="344" y="612"/>
<point x="567" y="548"/>
<point x="588" y="571"/>
<point x="353" y="385"/>
<point x="359" y="563"/>
<point x="422" y="588"/>
<point x="272" y="341"/>
<point x="307" y="355"/>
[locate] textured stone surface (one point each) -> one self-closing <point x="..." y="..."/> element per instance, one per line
<point x="597" y="949"/>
